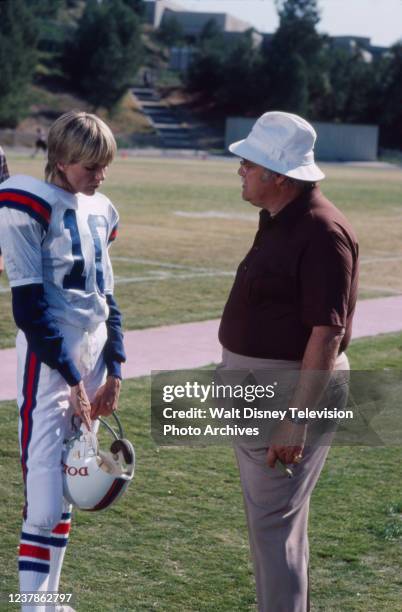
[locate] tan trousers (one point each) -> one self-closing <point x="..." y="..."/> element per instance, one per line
<point x="277" y="510"/>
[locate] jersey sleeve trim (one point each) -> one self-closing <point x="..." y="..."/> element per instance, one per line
<point x="26" y="281"/>
<point x="114" y="354"/>
<point x="31" y="315"/>
<point x="113" y="234"/>
<point x="27" y="202"/>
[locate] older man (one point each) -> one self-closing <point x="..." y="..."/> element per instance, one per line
<point x="290" y="308"/>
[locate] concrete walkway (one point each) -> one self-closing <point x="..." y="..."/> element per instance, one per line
<point x="191" y="345"/>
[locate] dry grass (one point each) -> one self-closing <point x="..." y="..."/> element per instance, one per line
<point x="216" y="232"/>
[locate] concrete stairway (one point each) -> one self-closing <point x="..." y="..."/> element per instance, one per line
<point x="172" y="131"/>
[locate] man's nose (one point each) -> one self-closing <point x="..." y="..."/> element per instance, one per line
<point x="241" y="171"/>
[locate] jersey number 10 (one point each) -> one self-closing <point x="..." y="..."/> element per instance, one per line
<point x="76" y="279"/>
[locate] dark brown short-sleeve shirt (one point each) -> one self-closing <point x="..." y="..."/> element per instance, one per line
<point x="302" y="271"/>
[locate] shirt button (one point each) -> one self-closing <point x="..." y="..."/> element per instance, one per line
<point x="244" y="267"/>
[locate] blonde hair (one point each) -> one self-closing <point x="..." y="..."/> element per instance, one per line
<point x="78" y="137"/>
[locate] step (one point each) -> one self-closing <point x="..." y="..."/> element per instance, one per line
<point x="171" y="128"/>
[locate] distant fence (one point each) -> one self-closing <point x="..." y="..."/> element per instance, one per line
<point x="335" y="141"/>
<point x="13" y="138"/>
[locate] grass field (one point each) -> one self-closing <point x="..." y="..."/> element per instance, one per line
<point x="184" y="229"/>
<point x="177" y="541"/>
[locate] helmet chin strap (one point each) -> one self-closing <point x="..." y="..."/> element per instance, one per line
<point x="111" y="430"/>
<point x="76" y="427"/>
<point x="125" y="448"/>
<point x="120" y="444"/>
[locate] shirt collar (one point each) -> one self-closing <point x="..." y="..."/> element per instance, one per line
<point x="68" y="198"/>
<point x="291" y="212"/>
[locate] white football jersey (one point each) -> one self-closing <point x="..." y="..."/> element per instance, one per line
<point x="60" y="239"/>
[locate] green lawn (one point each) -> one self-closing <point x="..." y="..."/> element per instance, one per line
<point x="177" y="541"/>
<point x="184" y="229"/>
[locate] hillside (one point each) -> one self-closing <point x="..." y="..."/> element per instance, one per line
<point x="51" y="93"/>
<point x="46" y="104"/>
<point x="55" y="90"/>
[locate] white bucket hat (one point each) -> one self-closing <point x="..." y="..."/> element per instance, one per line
<point x="281" y="142"/>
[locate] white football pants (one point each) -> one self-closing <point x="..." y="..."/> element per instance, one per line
<point x="46" y="415"/>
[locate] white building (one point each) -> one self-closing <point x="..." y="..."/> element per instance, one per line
<point x="192" y="22"/>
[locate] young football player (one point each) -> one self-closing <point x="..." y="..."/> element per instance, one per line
<point x="54" y="236"/>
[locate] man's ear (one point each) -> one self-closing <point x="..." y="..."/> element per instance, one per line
<point x="61" y="167"/>
<point x="266" y="175"/>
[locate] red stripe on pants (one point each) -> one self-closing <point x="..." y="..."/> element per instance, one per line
<point x="62" y="528"/>
<point x="37" y="552"/>
<point x="28" y="405"/>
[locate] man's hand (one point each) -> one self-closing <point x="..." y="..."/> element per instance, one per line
<point x="81" y="404"/>
<point x="287" y="444"/>
<point x="106" y="399"/>
<point x="1" y="264"/>
<point x="317" y="364"/>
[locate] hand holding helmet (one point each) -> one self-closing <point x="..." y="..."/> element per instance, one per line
<point x="106" y="398"/>
<point x="81" y="404"/>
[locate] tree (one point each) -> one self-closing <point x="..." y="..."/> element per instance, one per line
<point x="18" y="35"/>
<point x="349" y="93"/>
<point x="296" y="59"/>
<point x="170" y="31"/>
<point x="389" y="105"/>
<point x="238" y="90"/>
<point x="298" y="10"/>
<point x="288" y="89"/>
<point x="210" y="31"/>
<point x="224" y="73"/>
<point x="105" y="53"/>
<point x="297" y="28"/>
<point x="138" y="6"/>
<point x="45" y="9"/>
<point x="206" y="72"/>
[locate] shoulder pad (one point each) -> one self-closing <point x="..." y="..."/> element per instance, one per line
<point x="30" y="195"/>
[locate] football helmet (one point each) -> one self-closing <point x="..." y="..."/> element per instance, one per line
<point x="94" y="479"/>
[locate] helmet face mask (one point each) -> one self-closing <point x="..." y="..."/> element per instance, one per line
<point x="93" y="479"/>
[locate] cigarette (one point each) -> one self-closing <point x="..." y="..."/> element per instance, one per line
<point x="284" y="468"/>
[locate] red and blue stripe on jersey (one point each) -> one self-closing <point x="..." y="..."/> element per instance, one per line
<point x="113" y="234"/>
<point x="27" y="202"/>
